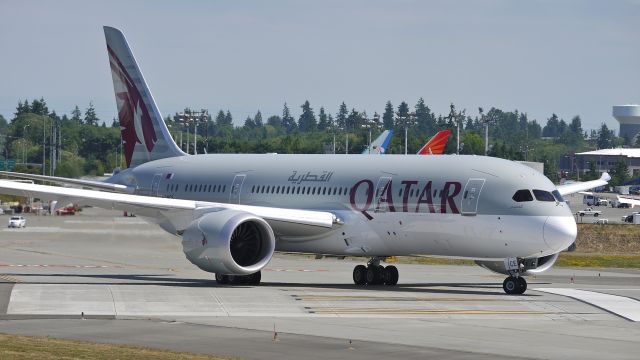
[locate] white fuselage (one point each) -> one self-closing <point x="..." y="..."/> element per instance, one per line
<point x="453" y="206"/>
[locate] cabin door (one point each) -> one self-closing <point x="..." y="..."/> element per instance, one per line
<point x="236" y="188"/>
<point x="470" y="196"/>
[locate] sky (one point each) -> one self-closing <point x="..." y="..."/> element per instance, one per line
<point x="539" y="56"/>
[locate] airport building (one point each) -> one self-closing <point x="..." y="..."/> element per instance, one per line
<point x="604" y="160"/>
<point x="629" y="118"/>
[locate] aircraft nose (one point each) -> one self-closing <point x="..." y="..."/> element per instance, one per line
<point x="559" y="232"/>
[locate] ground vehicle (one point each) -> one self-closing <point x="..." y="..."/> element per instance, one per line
<point x="17" y="222"/>
<point x="69" y="210"/>
<point x="602" y="202"/>
<point x="589" y="211"/>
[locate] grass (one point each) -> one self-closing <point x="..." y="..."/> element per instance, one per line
<point x="598" y="261"/>
<point x="15" y="347"/>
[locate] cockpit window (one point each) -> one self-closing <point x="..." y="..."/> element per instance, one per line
<point x="556" y="194"/>
<point x="542" y="195"/>
<point x="522" y="195"/>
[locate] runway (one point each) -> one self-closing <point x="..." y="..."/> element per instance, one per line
<point x="132" y="284"/>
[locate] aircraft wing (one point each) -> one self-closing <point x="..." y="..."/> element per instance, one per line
<point x="435" y="145"/>
<point x="65" y="181"/>
<point x="178" y="213"/>
<point x="582" y="186"/>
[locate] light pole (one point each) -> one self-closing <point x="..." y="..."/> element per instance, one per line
<point x="406" y="121"/>
<point x="24" y="144"/>
<point x="44" y="144"/>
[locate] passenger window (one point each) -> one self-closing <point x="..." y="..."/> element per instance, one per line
<point x="557" y="195"/>
<point x="522" y="195"/>
<point x="542" y="195"/>
<point x="224" y="188"/>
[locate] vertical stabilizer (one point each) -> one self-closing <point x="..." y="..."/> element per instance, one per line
<point x="436" y="145"/>
<point x="379" y="145"/>
<point x="144" y="134"/>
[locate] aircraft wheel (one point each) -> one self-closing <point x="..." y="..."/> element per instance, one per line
<point x="510" y="285"/>
<point x="374" y="275"/>
<point x="222" y="279"/>
<point x="360" y="275"/>
<point x="254" y="279"/>
<point x="391" y="275"/>
<point x="522" y="285"/>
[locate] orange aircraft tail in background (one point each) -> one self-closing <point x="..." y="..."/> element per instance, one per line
<point x="435" y="145"/>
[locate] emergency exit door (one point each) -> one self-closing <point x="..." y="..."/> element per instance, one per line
<point x="236" y="189"/>
<point x="470" y="196"/>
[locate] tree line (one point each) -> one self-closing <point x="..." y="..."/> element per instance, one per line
<point x="88" y="146"/>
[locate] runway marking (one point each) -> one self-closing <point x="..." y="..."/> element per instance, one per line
<point x="59" y="265"/>
<point x="390" y="298"/>
<point x="297" y="270"/>
<point x="622" y="306"/>
<point x="400" y="311"/>
<point x="9" y="278"/>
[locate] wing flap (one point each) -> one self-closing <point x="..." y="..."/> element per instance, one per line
<point x="74" y="182"/>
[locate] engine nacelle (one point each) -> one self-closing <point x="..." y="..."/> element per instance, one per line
<point x="229" y="242"/>
<point x="531" y="266"/>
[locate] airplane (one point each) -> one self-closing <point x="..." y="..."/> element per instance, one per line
<point x="436" y="144"/>
<point x="233" y="211"/>
<point x="379" y="145"/>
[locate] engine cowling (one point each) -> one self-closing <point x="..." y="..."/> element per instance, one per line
<point x="532" y="266"/>
<point x="229" y="242"/>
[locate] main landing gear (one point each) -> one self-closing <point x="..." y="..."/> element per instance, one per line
<point x="251" y="279"/>
<point x="375" y="274"/>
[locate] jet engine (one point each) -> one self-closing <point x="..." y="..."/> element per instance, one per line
<point x="531" y="265"/>
<point x="229" y="242"/>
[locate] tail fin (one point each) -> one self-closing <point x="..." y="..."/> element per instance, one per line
<point x="144" y="133"/>
<point x="379" y="145"/>
<point x="435" y="145"/>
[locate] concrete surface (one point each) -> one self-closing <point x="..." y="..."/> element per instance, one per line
<point x="134" y="286"/>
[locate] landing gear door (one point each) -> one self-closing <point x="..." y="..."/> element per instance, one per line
<point x="382" y="203"/>
<point x="155" y="184"/>
<point x="470" y="196"/>
<point x="236" y="188"/>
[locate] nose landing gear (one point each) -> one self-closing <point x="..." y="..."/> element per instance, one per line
<point x="514" y="285"/>
<point x="375" y="274"/>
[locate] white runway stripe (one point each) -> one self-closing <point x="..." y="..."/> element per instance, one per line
<point x="622" y="306"/>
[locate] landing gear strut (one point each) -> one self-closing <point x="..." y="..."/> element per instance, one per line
<point x="375" y="274"/>
<point x="251" y="279"/>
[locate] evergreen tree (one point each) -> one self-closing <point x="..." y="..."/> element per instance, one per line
<point x="257" y="119"/>
<point x="323" y="120"/>
<point x="249" y="123"/>
<point x="307" y="121"/>
<point x="403" y="110"/>
<point x="90" y="117"/>
<point x="605" y="137"/>
<point x="22" y="108"/>
<point x="387" y="116"/>
<point x="341" y="117"/>
<point x="220" y="119"/>
<point x="354" y="120"/>
<point x="39" y="107"/>
<point x="551" y="129"/>
<point x="76" y="115"/>
<point x="288" y="122"/>
<point x="228" y="119"/>
<point x="275" y="121"/>
<point x="424" y="118"/>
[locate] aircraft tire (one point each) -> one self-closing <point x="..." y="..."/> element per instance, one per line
<point x="522" y="285"/>
<point x="222" y="279"/>
<point x="391" y="275"/>
<point x="360" y="275"/>
<point x="510" y="285"/>
<point x="254" y="279"/>
<point x="374" y="275"/>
